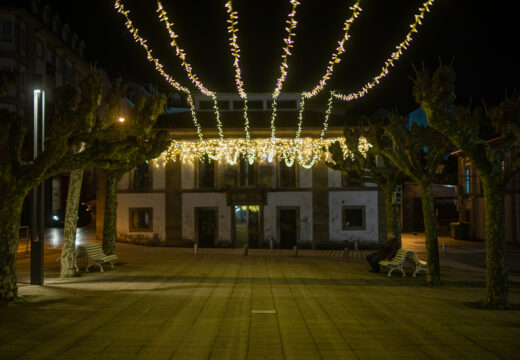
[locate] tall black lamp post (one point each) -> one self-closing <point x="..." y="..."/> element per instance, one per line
<point x="37" y="195"/>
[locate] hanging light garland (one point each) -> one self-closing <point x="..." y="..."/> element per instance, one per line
<point x="235" y="52"/>
<point x="310" y="148"/>
<point x="336" y="56"/>
<point x="181" y="54"/>
<point x="158" y="66"/>
<point x="390" y="62"/>
<point x="286" y="52"/>
<point x="308" y="151"/>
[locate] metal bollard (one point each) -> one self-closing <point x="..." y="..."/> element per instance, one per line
<point x="346" y="252"/>
<point x="196" y="249"/>
<point x="271" y="244"/>
<point x="355" y="245"/>
<point x="295" y="249"/>
<point x="245" y="250"/>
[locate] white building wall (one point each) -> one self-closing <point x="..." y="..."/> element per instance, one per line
<point x="302" y="199"/>
<point x="188" y="174"/>
<point x="305" y="177"/>
<point x="338" y="199"/>
<point x="124" y="183"/>
<point x="211" y="199"/>
<point x="334" y="178"/>
<point x="146" y="200"/>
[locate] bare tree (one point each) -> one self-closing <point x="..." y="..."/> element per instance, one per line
<point x="436" y="95"/>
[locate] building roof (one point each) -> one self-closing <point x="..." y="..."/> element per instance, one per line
<point x="181" y="123"/>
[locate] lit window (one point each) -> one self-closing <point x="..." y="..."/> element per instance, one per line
<point x="353" y="218"/>
<point x="467" y="183"/>
<point x="141" y="220"/>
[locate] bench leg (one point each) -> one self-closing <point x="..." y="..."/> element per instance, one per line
<point x="98" y="264"/>
<point x="111" y="264"/>
<point x="390" y="271"/>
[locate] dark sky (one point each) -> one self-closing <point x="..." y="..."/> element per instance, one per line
<point x="479" y="36"/>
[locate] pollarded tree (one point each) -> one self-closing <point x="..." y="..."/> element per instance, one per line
<point x="151" y="144"/>
<point x="370" y="167"/>
<point x="436" y="95"/>
<point x="417" y="152"/>
<point x="75" y="122"/>
<point x="139" y="124"/>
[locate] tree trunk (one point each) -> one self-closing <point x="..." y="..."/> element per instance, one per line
<point x="430" y="233"/>
<point x="109" y="224"/>
<point x="68" y="249"/>
<point x="496" y="269"/>
<point x="10" y="213"/>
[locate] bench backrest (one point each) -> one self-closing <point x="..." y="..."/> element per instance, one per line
<point x="400" y="255"/>
<point x="94" y="251"/>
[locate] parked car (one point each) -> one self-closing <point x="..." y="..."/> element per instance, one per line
<point x="84" y="216"/>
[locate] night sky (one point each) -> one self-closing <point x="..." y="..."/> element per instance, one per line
<point x="479" y="36"/>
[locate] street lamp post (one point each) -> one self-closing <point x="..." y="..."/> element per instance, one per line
<point x="38" y="195"/>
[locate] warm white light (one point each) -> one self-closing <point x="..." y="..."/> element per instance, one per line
<point x="121" y="119"/>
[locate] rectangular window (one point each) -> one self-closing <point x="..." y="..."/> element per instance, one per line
<point x="287" y="178"/>
<point x="6" y="31"/>
<point x="353" y="218"/>
<point x="247" y="173"/>
<point x="59" y="65"/>
<point x="141" y="220"/>
<point x="39" y="49"/>
<point x="23" y="37"/>
<point x="142" y="177"/>
<point x="206" y="173"/>
<point x="283" y="104"/>
<point x="251" y="105"/>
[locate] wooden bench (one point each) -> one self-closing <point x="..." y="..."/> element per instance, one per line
<point x="95" y="255"/>
<point x="397" y="262"/>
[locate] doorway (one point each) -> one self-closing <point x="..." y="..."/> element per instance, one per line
<point x="247" y="226"/>
<point x="206" y="226"/>
<point x="288" y="227"/>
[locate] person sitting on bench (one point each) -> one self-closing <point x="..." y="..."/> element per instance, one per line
<point x="385" y="251"/>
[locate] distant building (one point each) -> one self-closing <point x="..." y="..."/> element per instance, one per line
<point x="471" y="199"/>
<point x="212" y="203"/>
<point x="35" y="43"/>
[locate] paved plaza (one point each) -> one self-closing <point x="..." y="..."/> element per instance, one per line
<point x="167" y="303"/>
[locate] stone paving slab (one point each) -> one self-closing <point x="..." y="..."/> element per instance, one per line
<point x="166" y="303"/>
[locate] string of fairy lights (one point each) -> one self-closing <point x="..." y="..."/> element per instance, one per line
<point x="308" y="151"/>
<point x="286" y="52"/>
<point x="311" y="150"/>
<point x="390" y="62"/>
<point x="235" y="52"/>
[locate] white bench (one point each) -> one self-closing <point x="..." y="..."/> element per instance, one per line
<point x="397" y="262"/>
<point x="95" y="255"/>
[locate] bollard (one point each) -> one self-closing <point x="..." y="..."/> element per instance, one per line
<point x="355" y="245"/>
<point x="196" y="249"/>
<point x="245" y="250"/>
<point x="443" y="247"/>
<point x="271" y="244"/>
<point x="295" y="249"/>
<point x="346" y="252"/>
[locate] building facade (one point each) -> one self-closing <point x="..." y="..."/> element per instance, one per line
<point x="470" y="197"/>
<point x="217" y="204"/>
<point x="46" y="54"/>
